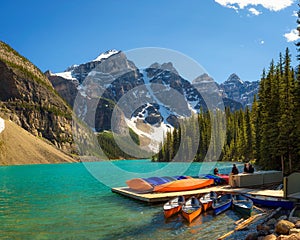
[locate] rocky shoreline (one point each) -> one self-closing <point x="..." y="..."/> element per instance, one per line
<point x="276" y="226"/>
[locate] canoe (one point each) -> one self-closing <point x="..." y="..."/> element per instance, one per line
<point x="225" y="177"/>
<point x="144" y="185"/>
<point x="191" y="209"/>
<point x="207" y="200"/>
<point x="242" y="204"/>
<point x="218" y="179"/>
<point x="139" y="185"/>
<point x="271" y="202"/>
<point x="173" y="206"/>
<point x="222" y="203"/>
<point x="183" y="185"/>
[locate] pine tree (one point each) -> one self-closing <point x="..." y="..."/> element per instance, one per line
<point x="286" y="122"/>
<point x="249" y="135"/>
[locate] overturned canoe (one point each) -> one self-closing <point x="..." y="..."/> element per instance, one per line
<point x="225" y="177"/>
<point x="218" y="179"/>
<point x="173" y="206"/>
<point x="143" y="185"/>
<point x="184" y="185"/>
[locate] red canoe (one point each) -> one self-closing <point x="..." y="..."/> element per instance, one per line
<point x="183" y="185"/>
<point x="225" y="177"/>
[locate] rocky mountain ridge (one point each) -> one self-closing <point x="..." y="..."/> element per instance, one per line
<point x="146" y="95"/>
<point x="28" y="98"/>
<point x="152" y="99"/>
<point x="233" y="88"/>
<point x="238" y="90"/>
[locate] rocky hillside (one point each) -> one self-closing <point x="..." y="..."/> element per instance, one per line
<point x="28" y="98"/>
<point x="18" y="146"/>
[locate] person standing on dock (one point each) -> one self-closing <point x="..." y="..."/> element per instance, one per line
<point x="234" y="170"/>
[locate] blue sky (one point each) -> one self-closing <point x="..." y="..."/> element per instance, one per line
<point x="224" y="36"/>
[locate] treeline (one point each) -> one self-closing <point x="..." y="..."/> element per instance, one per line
<point x="112" y="150"/>
<point x="268" y="133"/>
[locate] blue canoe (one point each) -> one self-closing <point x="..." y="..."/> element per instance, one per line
<point x="222" y="203"/>
<point x="271" y="202"/>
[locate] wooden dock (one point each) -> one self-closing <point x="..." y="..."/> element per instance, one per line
<point x="163" y="197"/>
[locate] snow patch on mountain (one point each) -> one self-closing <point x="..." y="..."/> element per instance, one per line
<point x="106" y="55"/>
<point x="155" y="134"/>
<point x="65" y="75"/>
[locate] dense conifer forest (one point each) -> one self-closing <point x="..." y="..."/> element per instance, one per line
<point x="268" y="133"/>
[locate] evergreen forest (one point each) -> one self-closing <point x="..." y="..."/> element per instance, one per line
<point x="267" y="134"/>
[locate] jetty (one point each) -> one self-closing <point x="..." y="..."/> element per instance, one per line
<point x="238" y="184"/>
<point x="163" y="197"/>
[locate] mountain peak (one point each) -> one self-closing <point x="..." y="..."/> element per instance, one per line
<point x="204" y="78"/>
<point x="165" y="66"/>
<point x="106" y="55"/>
<point x="234" y="78"/>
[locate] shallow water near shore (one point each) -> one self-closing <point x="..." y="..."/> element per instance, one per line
<point x="64" y="201"/>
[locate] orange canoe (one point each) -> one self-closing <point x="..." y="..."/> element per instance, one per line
<point x="191" y="209"/>
<point x="207" y="200"/>
<point x="183" y="185"/>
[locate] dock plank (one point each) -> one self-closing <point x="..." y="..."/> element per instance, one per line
<point x="162" y="197"/>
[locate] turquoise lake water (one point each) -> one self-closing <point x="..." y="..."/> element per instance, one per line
<point x="64" y="201"/>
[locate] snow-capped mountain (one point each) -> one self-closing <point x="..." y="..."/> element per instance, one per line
<point x="240" y="91"/>
<point x="152" y="99"/>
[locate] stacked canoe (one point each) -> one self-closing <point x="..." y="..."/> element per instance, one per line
<point x="167" y="184"/>
<point x="219" y="179"/>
